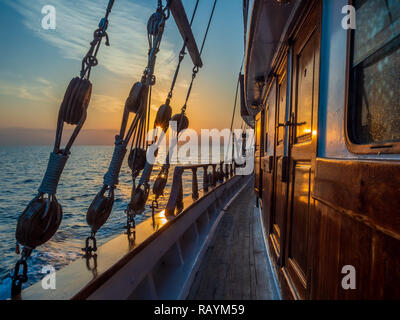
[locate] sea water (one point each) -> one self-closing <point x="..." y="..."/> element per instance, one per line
<point x="21" y="171"/>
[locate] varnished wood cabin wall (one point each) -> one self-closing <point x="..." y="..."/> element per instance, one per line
<point x="353" y="215"/>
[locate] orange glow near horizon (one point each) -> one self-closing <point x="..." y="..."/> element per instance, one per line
<point x="31" y="92"/>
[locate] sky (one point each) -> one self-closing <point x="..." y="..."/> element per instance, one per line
<point x="36" y="65"/>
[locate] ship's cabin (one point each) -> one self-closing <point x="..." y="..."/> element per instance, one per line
<point x="322" y="90"/>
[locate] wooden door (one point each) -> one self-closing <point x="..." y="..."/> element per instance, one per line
<point x="280" y="173"/>
<point x="259" y="152"/>
<point x="302" y="150"/>
<point x="269" y="156"/>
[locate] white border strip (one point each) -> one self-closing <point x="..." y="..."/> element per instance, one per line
<point x="273" y="269"/>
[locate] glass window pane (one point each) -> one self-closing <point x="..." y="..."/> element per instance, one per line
<point x="282" y="109"/>
<point x="266" y="121"/>
<point x="305" y="89"/>
<point x="376" y="74"/>
<point x="378" y="22"/>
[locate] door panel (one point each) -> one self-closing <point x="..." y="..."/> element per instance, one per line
<point x="257" y="155"/>
<point x="279" y="206"/>
<point x="269" y="164"/>
<point x="305" y="80"/>
<point x="280" y="179"/>
<point x="299" y="231"/>
<point x="302" y="150"/>
<point x="259" y="152"/>
<point x="282" y="96"/>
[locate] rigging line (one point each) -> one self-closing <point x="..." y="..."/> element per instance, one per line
<point x="155" y="34"/>
<point x="208" y="27"/>
<point x="101" y="207"/>
<point x="236" y="95"/>
<point x="181" y="55"/>
<point x="148" y="117"/>
<point x="234" y="107"/>
<point x="46" y="213"/>
<point x="233" y="117"/>
<point x="133" y="142"/>
<point x="138" y="133"/>
<point x="90" y="60"/>
<point x="194" y="13"/>
<point x="196" y="68"/>
<point x="182" y="117"/>
<point x="143" y="128"/>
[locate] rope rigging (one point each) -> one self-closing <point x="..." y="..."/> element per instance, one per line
<point x="181" y="119"/>
<point x="42" y="217"/>
<point x="138" y="103"/>
<point x="140" y="193"/>
<point x="182" y="54"/>
<point x="232" y="136"/>
<point x="90" y="60"/>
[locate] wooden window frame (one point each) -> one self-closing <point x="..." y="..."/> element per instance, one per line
<point x="362" y="149"/>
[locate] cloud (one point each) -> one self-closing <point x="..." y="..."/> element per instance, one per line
<point x="43" y="81"/>
<point x="76" y="21"/>
<point x="41" y="91"/>
<point x="106" y="104"/>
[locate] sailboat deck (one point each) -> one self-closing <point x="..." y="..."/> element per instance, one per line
<point x="235" y="266"/>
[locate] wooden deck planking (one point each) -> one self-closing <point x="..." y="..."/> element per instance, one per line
<point x="235" y="266"/>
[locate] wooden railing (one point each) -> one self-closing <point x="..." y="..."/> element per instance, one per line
<point x="220" y="173"/>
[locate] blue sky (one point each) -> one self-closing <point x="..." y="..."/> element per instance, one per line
<point x="36" y="65"/>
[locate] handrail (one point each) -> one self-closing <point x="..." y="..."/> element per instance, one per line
<point x="210" y="181"/>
